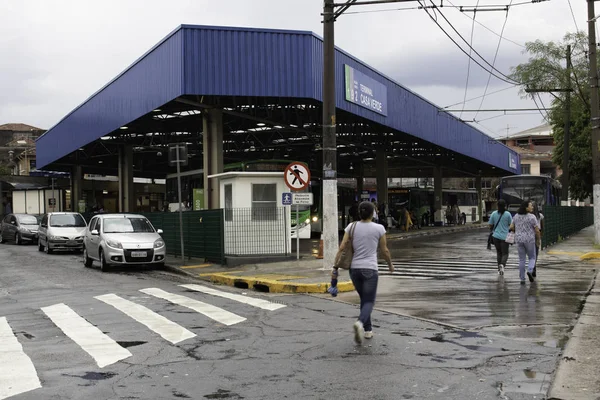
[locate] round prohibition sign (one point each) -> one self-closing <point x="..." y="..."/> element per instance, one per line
<point x="296" y="176"/>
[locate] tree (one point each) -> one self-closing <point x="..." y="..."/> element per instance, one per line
<point x="4" y="170"/>
<point x="546" y="69"/>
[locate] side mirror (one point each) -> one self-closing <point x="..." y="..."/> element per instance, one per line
<point x="95" y="232"/>
<point x="159" y="231"/>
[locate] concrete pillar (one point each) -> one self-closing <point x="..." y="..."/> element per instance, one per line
<point x="126" y="190"/>
<point x="438" y="196"/>
<point x="1" y="199"/>
<point x="382" y="177"/>
<point x="360" y="179"/>
<point x="212" y="146"/>
<point x="76" y="187"/>
<point x="479" y="199"/>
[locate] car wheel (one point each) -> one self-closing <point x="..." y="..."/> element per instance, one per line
<point x="2" y="238"/>
<point x="47" y="249"/>
<point x="18" y="240"/>
<point x="40" y="246"/>
<point x="103" y="264"/>
<point x="87" y="262"/>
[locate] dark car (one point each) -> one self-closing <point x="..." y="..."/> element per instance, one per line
<point x="20" y="228"/>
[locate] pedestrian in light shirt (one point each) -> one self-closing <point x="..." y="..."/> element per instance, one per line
<point x="500" y="222"/>
<point x="527" y="233"/>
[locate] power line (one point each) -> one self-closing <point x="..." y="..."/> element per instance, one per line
<point x="573" y="15"/>
<point x="434" y="19"/>
<point x="507" y="114"/>
<point x="473" y="8"/>
<point x="487" y="85"/>
<point x="478" y="97"/>
<point x="469" y="64"/>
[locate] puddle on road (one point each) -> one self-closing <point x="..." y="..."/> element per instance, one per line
<point x="130" y="344"/>
<point x="93" y="376"/>
<point x="223" y="394"/>
<point x="531" y="382"/>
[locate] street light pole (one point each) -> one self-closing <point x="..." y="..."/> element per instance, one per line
<point x="329" y="179"/>
<point x="566" y="181"/>
<point x="595" y="117"/>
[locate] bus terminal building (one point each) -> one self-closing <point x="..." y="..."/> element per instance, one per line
<point x="236" y="94"/>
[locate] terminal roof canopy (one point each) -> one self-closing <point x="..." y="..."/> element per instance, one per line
<point x="269" y="85"/>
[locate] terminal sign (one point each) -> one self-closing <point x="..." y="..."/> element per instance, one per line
<point x="302" y="199"/>
<point x="512" y="161"/>
<point x="365" y="91"/>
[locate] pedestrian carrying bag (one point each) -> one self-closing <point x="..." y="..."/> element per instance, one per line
<point x="344" y="260"/>
<point x="510" y="238"/>
<point x="491" y="236"/>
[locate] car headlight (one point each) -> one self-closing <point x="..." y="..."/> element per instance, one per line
<point x="54" y="238"/>
<point x="114" y="244"/>
<point x="24" y="230"/>
<point x="159" y="243"/>
<point x="315" y="219"/>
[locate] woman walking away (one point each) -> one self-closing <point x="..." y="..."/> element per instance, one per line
<point x="540" y="218"/>
<point x="500" y="222"/>
<point x="367" y="237"/>
<point x="527" y="233"/>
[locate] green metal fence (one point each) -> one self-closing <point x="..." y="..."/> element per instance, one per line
<point x="203" y="233"/>
<point x="562" y="222"/>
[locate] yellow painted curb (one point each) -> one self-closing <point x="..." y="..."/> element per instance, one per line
<point x="565" y="253"/>
<point x="277" y="286"/>
<point x="590" y="256"/>
<point x="195" y="266"/>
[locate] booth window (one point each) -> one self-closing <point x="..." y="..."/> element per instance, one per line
<point x="228" y="202"/>
<point x="264" y="202"/>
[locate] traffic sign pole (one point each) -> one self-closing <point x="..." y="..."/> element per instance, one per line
<point x="297" y="233"/>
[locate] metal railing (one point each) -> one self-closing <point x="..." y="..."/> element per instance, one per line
<point x="256" y="231"/>
<point x="562" y="222"/>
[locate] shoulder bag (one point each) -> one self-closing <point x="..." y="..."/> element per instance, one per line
<point x="491" y="236"/>
<point x="344" y="259"/>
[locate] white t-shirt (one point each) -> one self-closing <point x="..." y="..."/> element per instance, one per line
<point x="365" y="243"/>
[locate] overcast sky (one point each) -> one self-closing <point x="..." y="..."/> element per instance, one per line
<point x="55" y="54"/>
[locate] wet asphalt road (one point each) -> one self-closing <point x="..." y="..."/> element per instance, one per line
<point x="303" y="350"/>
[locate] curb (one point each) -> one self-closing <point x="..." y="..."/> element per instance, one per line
<point x="590" y="256"/>
<point x="274" y="286"/>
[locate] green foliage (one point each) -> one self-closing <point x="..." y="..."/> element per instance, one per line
<point x="4" y="170"/>
<point x="546" y="69"/>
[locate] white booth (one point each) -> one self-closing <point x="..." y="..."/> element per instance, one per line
<point x="256" y="222"/>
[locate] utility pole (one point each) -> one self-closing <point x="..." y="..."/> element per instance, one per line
<point x="329" y="179"/>
<point x="595" y="116"/>
<point x="567" y="133"/>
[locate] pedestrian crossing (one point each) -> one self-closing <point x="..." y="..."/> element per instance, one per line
<point x="426" y="269"/>
<point x="19" y="375"/>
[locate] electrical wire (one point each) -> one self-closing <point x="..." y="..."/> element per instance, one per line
<point x="525" y="113"/>
<point x="434" y="19"/>
<point x="506" y="77"/>
<point x="487" y="85"/>
<point x="538" y="107"/>
<point x="478" y="97"/>
<point x="443" y="6"/>
<point x="573" y="15"/>
<point x="469" y="64"/>
<point x="488" y="29"/>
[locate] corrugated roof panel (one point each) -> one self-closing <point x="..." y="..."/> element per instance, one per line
<point x="153" y="80"/>
<point x="247" y="63"/>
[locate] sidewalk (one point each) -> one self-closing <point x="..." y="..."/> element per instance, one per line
<point x="306" y="275"/>
<point x="577" y="376"/>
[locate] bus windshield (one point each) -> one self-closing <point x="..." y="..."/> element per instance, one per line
<point x="516" y="190"/>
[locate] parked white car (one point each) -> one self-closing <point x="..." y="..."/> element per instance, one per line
<point x="61" y="231"/>
<point x="120" y="239"/>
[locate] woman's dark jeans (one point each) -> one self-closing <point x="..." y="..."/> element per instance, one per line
<point x="501" y="251"/>
<point x="365" y="282"/>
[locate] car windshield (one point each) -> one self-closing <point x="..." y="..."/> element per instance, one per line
<point x="67" y="221"/>
<point x="27" y="220"/>
<point x="127" y="225"/>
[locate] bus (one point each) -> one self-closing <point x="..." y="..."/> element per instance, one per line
<point x="542" y="189"/>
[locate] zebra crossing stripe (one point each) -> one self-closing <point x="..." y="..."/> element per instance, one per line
<point x="166" y="328"/>
<point x="260" y="303"/>
<point x="99" y="346"/>
<point x="215" y="313"/>
<point x="17" y="372"/>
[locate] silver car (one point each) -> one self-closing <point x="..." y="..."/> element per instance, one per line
<point x="61" y="231"/>
<point x="119" y="239"/>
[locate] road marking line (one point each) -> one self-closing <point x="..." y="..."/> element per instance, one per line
<point x="102" y="348"/>
<point x="216" y="313"/>
<point x="196" y="266"/>
<point x="17" y="372"/>
<point x="166" y="328"/>
<point x="260" y="303"/>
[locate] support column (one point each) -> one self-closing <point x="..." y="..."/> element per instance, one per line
<point x="126" y="189"/>
<point x="438" y="196"/>
<point x="76" y="187"/>
<point x="382" y="177"/>
<point x="479" y="199"/>
<point x="212" y="147"/>
<point x="1" y="200"/>
<point x="360" y="179"/>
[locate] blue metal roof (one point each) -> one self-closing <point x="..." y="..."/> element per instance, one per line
<point x="227" y="61"/>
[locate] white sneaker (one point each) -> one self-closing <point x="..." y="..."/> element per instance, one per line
<point x="501" y="270"/>
<point x="359" y="332"/>
<point x="368" y="334"/>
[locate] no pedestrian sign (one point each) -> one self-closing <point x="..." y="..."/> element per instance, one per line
<point x="296" y="176"/>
